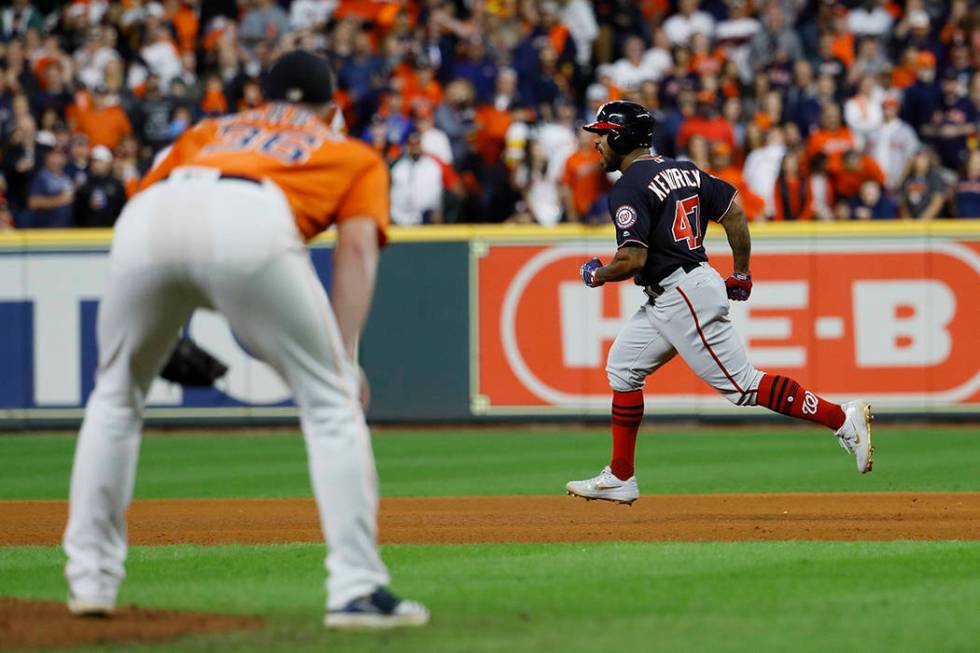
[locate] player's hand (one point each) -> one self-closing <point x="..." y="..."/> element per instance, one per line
<point x="739" y="286"/>
<point x="588" y="271"/>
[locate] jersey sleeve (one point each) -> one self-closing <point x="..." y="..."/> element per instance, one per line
<point x="630" y="211"/>
<point x="368" y="197"/>
<point x="717" y="196"/>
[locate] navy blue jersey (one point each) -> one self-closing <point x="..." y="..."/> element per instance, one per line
<point x="664" y="205"/>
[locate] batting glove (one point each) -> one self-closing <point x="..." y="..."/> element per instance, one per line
<point x="588" y="271"/>
<point x="739" y="286"/>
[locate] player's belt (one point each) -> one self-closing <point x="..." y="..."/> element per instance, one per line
<point x="251" y="180"/>
<point x="654" y="291"/>
<point x="187" y="172"/>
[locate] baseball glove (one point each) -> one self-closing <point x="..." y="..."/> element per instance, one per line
<point x="191" y="366"/>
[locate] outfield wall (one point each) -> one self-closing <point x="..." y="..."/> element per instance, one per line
<point x="476" y="323"/>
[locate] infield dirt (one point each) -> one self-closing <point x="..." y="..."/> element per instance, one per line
<point x="457" y="520"/>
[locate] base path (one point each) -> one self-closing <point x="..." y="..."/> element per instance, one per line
<point x="452" y="520"/>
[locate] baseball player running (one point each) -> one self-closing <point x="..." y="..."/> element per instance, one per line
<point x="220" y="223"/>
<point x="661" y="208"/>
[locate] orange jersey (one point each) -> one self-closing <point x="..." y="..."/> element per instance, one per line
<point x="325" y="176"/>
<point x="832" y="143"/>
<point x="105" y="126"/>
<point x="752" y="204"/>
<point x="583" y="175"/>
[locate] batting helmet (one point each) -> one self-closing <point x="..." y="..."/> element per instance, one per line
<point x="300" y="76"/>
<point x="629" y="125"/>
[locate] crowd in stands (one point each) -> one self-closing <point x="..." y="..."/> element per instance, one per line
<point x="814" y="109"/>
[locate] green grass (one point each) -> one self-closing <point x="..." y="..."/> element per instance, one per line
<point x="760" y="596"/>
<point x="493" y="462"/>
<point x="751" y="596"/>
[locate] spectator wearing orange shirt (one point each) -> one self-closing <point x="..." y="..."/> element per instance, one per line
<point x="105" y="123"/>
<point x="583" y="182"/>
<point x="832" y="139"/>
<point x="707" y="122"/>
<point x="559" y="36"/>
<point x="791" y="193"/>
<point x="186" y="24"/>
<point x="842" y="45"/>
<point x="723" y="167"/>
<point x="771" y="111"/>
<point x="704" y="61"/>
<point x="855" y="168"/>
<point x="421" y="88"/>
<point x="491" y="126"/>
<point x="214" y="102"/>
<point x="905" y="70"/>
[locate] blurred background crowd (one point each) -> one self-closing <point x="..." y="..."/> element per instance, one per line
<point x="814" y="109"/>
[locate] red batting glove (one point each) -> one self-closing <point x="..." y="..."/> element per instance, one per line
<point x="739" y="286"/>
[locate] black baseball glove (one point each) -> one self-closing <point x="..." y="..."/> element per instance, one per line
<point x="191" y="366"/>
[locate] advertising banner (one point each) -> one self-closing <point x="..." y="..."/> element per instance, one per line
<point x="415" y="347"/>
<point x="492" y="322"/>
<point x="891" y="320"/>
<point x="48" y="306"/>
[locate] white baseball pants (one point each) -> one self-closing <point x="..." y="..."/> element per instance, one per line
<point x="690" y="318"/>
<point x="191" y="241"/>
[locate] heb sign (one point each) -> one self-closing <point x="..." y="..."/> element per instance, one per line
<point x="891" y="321"/>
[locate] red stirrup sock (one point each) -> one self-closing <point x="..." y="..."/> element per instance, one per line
<point x="782" y="394"/>
<point x="627" y="413"/>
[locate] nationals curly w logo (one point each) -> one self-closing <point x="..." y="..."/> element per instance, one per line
<point x="809" y="403"/>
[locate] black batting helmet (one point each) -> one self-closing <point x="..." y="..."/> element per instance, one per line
<point x="629" y="125"/>
<point x="300" y="76"/>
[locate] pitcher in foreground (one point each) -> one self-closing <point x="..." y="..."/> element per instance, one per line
<point x="661" y="208"/>
<point x="220" y="223"/>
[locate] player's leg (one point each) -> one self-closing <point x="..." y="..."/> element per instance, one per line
<point x="695" y="318"/>
<point x="139" y="320"/>
<point x="638" y="350"/>
<point x="282" y="314"/>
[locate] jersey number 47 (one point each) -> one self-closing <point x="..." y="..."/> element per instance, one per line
<point x="687" y="222"/>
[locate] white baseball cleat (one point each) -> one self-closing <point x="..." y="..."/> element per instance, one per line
<point x="606" y="487"/>
<point x="855" y="434"/>
<point x="378" y="610"/>
<point x="90" y="607"/>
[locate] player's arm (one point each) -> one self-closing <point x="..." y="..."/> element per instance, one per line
<point x="361" y="220"/>
<point x="355" y="264"/>
<point x="630" y="213"/>
<point x="720" y="202"/>
<point x="737" y="229"/>
<point x="629" y="260"/>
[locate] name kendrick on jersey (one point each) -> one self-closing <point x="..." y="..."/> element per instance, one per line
<point x="673" y="179"/>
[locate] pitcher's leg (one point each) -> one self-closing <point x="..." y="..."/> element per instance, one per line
<point x="138" y="324"/>
<point x="283" y="315"/>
